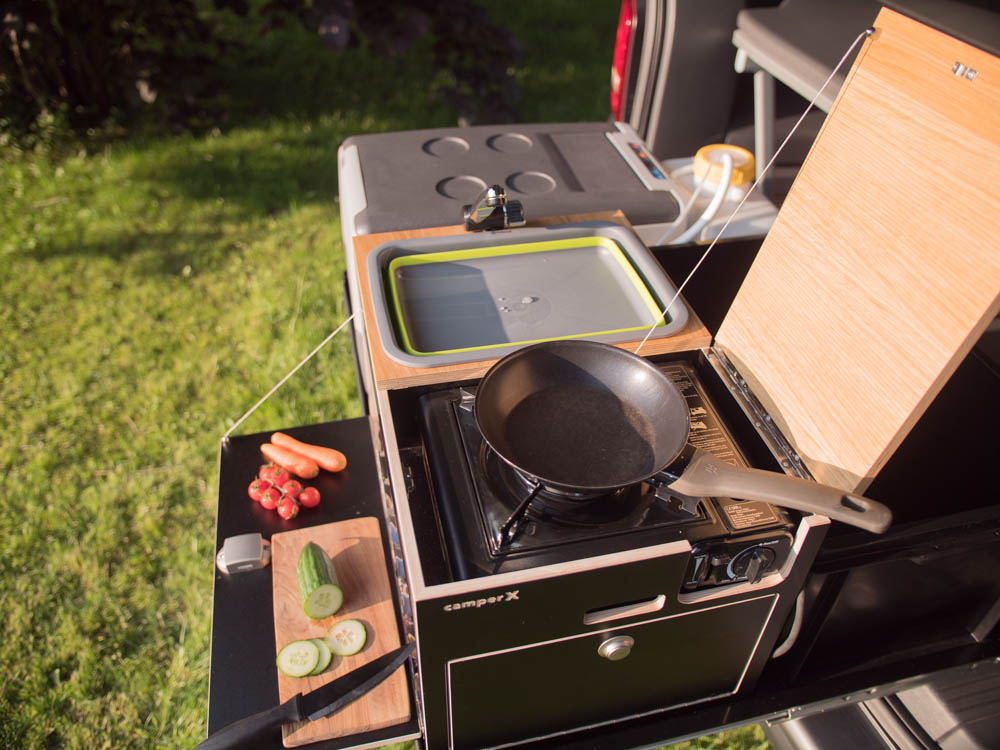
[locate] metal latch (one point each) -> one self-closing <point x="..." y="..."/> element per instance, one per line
<point x="616" y="649"/>
<point x="243" y="552"/>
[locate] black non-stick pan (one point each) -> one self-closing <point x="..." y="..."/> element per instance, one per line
<point x="584" y="417"/>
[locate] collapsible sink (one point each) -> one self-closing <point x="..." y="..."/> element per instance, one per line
<point x="462" y="298"/>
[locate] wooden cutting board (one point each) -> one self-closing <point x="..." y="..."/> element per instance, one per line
<point x="355" y="546"/>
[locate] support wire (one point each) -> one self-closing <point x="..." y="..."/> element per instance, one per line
<point x="225" y="438"/>
<point x="866" y="33"/>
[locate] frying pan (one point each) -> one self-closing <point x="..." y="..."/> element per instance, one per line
<point x="585" y="417"/>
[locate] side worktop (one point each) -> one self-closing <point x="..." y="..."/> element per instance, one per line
<point x="243" y="678"/>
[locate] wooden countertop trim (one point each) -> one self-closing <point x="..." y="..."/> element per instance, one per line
<point x="390" y="374"/>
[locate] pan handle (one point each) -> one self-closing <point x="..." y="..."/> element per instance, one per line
<point x="707" y="475"/>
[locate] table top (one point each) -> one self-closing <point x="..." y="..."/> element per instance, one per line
<point x="243" y="677"/>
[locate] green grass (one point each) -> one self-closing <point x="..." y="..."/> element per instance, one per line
<point x="154" y="288"/>
<point x="144" y="310"/>
<point x="743" y="738"/>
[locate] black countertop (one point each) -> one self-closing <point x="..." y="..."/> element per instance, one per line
<point x="243" y="677"/>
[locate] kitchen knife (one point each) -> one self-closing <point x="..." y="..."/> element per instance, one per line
<point x="313" y="705"/>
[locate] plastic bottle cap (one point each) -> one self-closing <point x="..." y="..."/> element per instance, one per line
<point x="708" y="163"/>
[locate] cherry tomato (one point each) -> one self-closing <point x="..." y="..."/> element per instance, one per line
<point x="270" y="498"/>
<point x="267" y="472"/>
<point x="257" y="488"/>
<point x="288" y="508"/>
<point x="280" y="476"/>
<point x="309" y="497"/>
<point x="292" y="488"/>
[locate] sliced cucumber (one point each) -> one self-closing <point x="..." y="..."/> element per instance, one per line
<point x="323" y="601"/>
<point x="346" y="637"/>
<point x="325" y="655"/>
<point x="318" y="585"/>
<point x="298" y="658"/>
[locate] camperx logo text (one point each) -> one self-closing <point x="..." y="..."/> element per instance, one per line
<point x="507" y="596"/>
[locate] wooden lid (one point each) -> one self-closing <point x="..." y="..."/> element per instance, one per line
<point x="882" y="268"/>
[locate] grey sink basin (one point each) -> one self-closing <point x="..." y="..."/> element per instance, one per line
<point x="469" y="297"/>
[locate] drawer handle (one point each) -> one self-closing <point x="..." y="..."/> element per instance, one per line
<point x="619" y="611"/>
<point x="617" y="648"/>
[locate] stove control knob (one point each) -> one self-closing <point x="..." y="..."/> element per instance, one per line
<point x="617" y="648"/>
<point x="752" y="563"/>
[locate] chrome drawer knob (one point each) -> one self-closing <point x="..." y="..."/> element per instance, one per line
<point x="617" y="648"/>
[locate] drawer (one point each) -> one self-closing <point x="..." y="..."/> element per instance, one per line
<point x="548" y="687"/>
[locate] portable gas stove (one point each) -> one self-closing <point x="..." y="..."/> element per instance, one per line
<point x="494" y="519"/>
<point x="518" y="595"/>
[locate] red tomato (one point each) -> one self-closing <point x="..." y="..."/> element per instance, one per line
<point x="257" y="487"/>
<point x="288" y="508"/>
<point x="267" y="472"/>
<point x="292" y="488"/>
<point x="270" y="498"/>
<point x="309" y="497"/>
<point x="280" y="476"/>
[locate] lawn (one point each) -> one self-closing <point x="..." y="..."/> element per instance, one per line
<point x="155" y="287"/>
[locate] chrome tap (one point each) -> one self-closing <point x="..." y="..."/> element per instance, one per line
<point x="492" y="210"/>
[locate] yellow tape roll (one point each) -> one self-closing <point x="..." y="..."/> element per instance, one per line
<point x="708" y="163"/>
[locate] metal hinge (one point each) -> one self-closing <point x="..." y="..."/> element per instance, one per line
<point x="467" y="400"/>
<point x="776" y="441"/>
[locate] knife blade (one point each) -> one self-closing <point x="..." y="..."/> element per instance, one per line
<point x="316" y="704"/>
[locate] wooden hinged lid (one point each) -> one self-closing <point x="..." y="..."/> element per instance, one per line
<point x="882" y="268"/>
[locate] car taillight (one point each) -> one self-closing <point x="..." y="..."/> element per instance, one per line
<point x="619" y="63"/>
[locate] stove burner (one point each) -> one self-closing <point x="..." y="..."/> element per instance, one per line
<point x="575" y="508"/>
<point x="529" y="499"/>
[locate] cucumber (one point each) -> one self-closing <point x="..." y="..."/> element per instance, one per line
<point x="318" y="584"/>
<point x="346" y="637"/>
<point x="298" y="658"/>
<point x="325" y="655"/>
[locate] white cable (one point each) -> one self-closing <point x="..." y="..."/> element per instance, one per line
<point x="867" y="32"/>
<point x="713" y="207"/>
<point x="225" y="438"/>
<point x="796" y="628"/>
<point x="678" y="223"/>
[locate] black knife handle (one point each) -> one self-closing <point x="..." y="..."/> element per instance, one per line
<point x="249" y="731"/>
